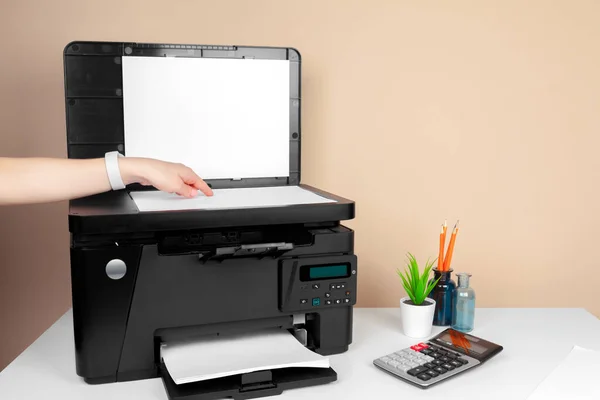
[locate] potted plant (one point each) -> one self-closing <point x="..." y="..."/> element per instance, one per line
<point x="416" y="308"/>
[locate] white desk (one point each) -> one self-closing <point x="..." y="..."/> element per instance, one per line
<point x="535" y="341"/>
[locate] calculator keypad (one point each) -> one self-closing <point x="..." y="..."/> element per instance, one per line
<point x="425" y="363"/>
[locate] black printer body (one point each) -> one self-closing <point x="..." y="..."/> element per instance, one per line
<point x="141" y="279"/>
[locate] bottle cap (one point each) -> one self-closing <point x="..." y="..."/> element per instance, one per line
<point x="463" y="279"/>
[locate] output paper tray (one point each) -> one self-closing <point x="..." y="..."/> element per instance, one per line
<point x="116" y="212"/>
<point x="247" y="386"/>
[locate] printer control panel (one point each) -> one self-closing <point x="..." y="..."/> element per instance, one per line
<point x="338" y="293"/>
<point x="315" y="283"/>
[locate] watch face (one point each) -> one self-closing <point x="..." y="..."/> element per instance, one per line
<point x="467" y="344"/>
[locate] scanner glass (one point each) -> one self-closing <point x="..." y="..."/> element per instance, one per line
<point x="228" y="199"/>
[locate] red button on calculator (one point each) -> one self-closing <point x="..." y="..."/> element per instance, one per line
<point x="419" y="347"/>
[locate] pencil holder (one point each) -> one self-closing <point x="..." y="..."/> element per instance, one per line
<point x="442" y="294"/>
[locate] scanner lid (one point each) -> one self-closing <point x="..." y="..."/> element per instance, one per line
<point x="232" y="113"/>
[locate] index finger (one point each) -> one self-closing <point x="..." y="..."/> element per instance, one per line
<point x="192" y="179"/>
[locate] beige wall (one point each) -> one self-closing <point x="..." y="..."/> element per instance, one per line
<point x="487" y="111"/>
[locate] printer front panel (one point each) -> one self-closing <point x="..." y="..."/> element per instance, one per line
<point x="163" y="294"/>
<point x="100" y="307"/>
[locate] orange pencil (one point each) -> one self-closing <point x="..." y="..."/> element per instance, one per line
<point x="441" y="254"/>
<point x="445" y="229"/>
<point x="448" y="258"/>
<point x="442" y="245"/>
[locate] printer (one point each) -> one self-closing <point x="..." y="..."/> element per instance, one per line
<point x="266" y="251"/>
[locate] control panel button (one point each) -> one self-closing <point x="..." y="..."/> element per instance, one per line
<point x="338" y="301"/>
<point x="337" y="286"/>
<point x="327" y="294"/>
<point x="346" y="300"/>
<point x="328" y="302"/>
<point x="303" y="301"/>
<point x="316" y="286"/>
<point x="316" y="301"/>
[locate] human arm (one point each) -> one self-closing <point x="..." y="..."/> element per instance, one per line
<point x="39" y="180"/>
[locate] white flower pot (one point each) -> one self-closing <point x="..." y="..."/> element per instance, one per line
<point x="417" y="321"/>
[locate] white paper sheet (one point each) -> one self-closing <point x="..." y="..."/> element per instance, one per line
<point x="228" y="198"/>
<point x="224" y="118"/>
<point x="576" y="378"/>
<point x="220" y="356"/>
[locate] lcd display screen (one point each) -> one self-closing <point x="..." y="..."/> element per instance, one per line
<point x="318" y="272"/>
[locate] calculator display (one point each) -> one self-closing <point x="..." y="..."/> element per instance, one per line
<point x="467" y="344"/>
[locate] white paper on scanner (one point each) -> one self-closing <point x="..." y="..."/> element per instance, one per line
<point x="576" y="378"/>
<point x="219" y="356"/>
<point x="228" y="199"/>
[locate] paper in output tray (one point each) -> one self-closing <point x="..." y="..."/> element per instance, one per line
<point x="228" y="199"/>
<point x="219" y="356"/>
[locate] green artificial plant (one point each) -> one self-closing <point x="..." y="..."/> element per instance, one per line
<point x="415" y="284"/>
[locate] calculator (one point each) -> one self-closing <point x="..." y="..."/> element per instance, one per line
<point x="446" y="355"/>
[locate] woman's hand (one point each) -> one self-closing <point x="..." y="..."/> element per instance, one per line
<point x="164" y="176"/>
<point x="42" y="180"/>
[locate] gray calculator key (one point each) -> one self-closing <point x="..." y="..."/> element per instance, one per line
<point x="405" y="367"/>
<point x="385" y="359"/>
<point x="394" y="363"/>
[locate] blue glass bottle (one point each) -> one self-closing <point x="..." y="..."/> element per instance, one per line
<point x="442" y="294"/>
<point x="464" y="305"/>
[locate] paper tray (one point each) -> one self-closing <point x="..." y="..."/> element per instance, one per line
<point x="247" y="386"/>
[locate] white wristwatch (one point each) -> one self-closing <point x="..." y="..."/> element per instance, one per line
<point x="113" y="171"/>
